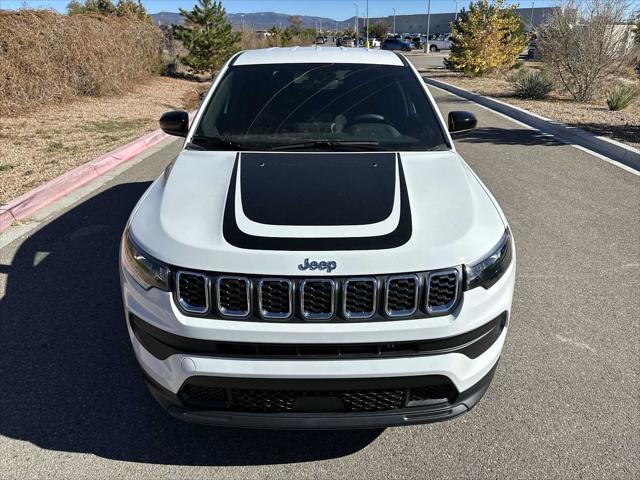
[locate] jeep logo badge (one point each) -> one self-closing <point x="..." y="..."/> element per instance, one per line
<point x="328" y="266"/>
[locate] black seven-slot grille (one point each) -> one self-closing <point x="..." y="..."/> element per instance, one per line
<point x="259" y="400"/>
<point x="319" y="299"/>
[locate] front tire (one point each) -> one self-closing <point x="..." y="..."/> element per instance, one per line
<point x="433" y="49"/>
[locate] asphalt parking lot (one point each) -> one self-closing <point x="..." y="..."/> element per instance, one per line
<point x="564" y="401"/>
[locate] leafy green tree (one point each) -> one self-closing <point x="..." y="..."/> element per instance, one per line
<point x="486" y="37"/>
<point x="207" y="35"/>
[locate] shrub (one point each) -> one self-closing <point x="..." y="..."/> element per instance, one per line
<point x="487" y="37"/>
<point x="534" y="85"/>
<point x="586" y="42"/>
<point x="47" y="57"/>
<point x="620" y="96"/>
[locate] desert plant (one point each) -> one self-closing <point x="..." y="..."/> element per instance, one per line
<point x="207" y="35"/>
<point x="47" y="57"/>
<point x="123" y="8"/>
<point x="486" y="37"/>
<point x="532" y="85"/>
<point x="621" y="95"/>
<point x="584" y="42"/>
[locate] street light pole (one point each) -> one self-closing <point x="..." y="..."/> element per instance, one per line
<point x="531" y="21"/>
<point x="394" y="22"/>
<point x="456" y="18"/>
<point x="366" y="43"/>
<point x="357" y="26"/>
<point x="426" y="47"/>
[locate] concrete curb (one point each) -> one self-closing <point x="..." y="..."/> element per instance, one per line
<point x="615" y="151"/>
<point x="24" y="205"/>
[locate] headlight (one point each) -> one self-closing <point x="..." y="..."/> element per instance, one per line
<point x="486" y="272"/>
<point x="146" y="270"/>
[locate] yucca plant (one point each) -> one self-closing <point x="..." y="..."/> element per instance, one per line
<point x="534" y="85"/>
<point x="620" y="96"/>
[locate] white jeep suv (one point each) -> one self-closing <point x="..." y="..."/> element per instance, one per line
<point x="318" y="255"/>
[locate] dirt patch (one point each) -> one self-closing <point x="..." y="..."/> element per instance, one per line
<point x="623" y="126"/>
<point x="37" y="146"/>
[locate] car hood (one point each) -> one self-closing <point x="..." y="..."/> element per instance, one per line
<point x="265" y="213"/>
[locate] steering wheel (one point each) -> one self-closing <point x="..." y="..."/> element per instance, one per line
<point x="367" y="118"/>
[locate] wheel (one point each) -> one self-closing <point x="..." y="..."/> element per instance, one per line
<point x="433" y="48"/>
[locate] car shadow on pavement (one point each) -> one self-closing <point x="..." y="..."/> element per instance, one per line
<point x="507" y="136"/>
<point x="69" y="379"/>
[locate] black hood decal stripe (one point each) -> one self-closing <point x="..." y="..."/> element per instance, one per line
<point x="303" y="189"/>
<point x="401" y="235"/>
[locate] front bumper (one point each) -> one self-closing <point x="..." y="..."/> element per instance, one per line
<point x="463" y="402"/>
<point x="169" y="369"/>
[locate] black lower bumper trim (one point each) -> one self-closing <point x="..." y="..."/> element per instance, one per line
<point x="162" y="344"/>
<point x="463" y="402"/>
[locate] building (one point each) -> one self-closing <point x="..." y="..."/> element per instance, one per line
<point x="417" y="23"/>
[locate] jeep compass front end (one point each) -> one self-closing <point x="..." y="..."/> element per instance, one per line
<point x="318" y="255"/>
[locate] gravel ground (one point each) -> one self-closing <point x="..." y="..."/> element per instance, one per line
<point x="623" y="125"/>
<point x="40" y="145"/>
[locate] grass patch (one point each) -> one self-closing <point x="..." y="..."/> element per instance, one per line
<point x="115" y="126"/>
<point x="54" y="147"/>
<point x="6" y="167"/>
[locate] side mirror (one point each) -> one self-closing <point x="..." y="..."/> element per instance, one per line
<point x="460" y="121"/>
<point x="175" y="123"/>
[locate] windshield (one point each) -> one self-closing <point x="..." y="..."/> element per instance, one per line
<point x="318" y="107"/>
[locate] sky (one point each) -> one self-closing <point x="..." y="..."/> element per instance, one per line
<point x="336" y="9"/>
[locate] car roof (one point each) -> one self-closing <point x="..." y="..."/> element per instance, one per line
<point x="317" y="54"/>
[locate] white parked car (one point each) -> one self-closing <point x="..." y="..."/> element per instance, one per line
<point x="318" y="255"/>
<point x="438" y="43"/>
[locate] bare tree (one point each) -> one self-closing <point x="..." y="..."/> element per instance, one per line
<point x="586" y="41"/>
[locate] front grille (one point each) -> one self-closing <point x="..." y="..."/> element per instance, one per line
<point x="401" y="295"/>
<point x="317" y="298"/>
<point x="442" y="290"/>
<point x="233" y="296"/>
<point x="275" y="296"/>
<point x="360" y="297"/>
<point x="259" y="400"/>
<point x="193" y="292"/>
<point x="373" y="298"/>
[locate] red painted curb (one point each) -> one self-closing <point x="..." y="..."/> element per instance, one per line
<point x="24" y="205"/>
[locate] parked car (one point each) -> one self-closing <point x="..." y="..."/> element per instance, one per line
<point x="533" y="52"/>
<point x="338" y="41"/>
<point x="297" y="265"/>
<point x="416" y="41"/>
<point x="347" y="41"/>
<point x="438" y="42"/>
<point x="396" y="44"/>
<point x="320" y="40"/>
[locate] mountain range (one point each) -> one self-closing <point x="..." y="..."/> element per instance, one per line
<point x="259" y="20"/>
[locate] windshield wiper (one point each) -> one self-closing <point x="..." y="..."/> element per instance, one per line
<point x="330" y="145"/>
<point x="202" y="142"/>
